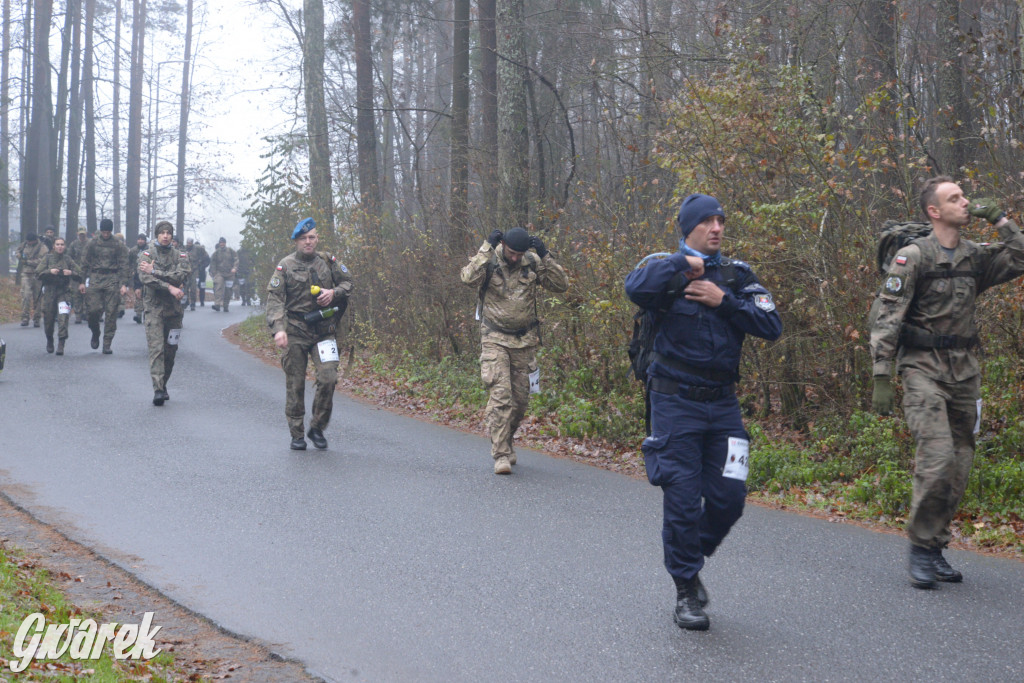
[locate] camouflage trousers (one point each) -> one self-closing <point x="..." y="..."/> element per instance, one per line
<point x="161" y="352"/>
<point x="192" y="288"/>
<point x="31" y="293"/>
<point x="78" y="303"/>
<point x="221" y="292"/>
<point x="51" y="313"/>
<point x="941" y="418"/>
<point x="105" y="301"/>
<point x="301" y="350"/>
<point x="506" y="374"/>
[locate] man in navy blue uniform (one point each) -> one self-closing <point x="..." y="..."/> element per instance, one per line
<point x="703" y="305"/>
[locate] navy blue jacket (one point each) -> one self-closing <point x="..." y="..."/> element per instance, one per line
<point x="695" y="334"/>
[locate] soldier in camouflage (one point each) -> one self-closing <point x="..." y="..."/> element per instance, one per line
<point x="77" y="252"/>
<point x="55" y="272"/>
<point x="507" y="276"/>
<point x="105" y="268"/>
<point x="163" y="270"/>
<point x="30" y="253"/>
<point x="223" y="267"/>
<point x="926" y="324"/>
<point x="304" y="283"/>
<point x="133" y="269"/>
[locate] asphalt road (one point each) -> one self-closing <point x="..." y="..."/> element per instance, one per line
<point x="397" y="555"/>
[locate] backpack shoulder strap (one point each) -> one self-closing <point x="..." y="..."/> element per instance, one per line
<point x="489" y="269"/>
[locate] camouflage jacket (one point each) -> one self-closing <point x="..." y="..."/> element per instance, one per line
<point x="931" y="296"/>
<point x="289" y="296"/>
<point x="223" y="261"/>
<point x="509" y="316"/>
<point x="170" y="267"/>
<point x="29" y="256"/>
<point x="76" y="250"/>
<point x="106" y="262"/>
<point x="59" y="284"/>
<point x="133" y="262"/>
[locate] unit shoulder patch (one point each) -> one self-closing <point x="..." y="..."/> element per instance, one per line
<point x="894" y="284"/>
<point x="764" y="302"/>
<point x="275" y="281"/>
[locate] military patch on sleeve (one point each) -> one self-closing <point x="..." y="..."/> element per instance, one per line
<point x="182" y="255"/>
<point x="275" y="281"/>
<point x="901" y="260"/>
<point x="894" y="284"/>
<point x="145" y="253"/>
<point x="764" y="302"/>
<point x="343" y="268"/>
<point x="280" y="267"/>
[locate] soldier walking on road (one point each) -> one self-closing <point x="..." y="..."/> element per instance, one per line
<point x="56" y="271"/>
<point x="703" y="305"/>
<point x="30" y="253"/>
<point x="925" y="321"/>
<point x="105" y="269"/>
<point x="307" y="294"/>
<point x="163" y="269"/>
<point x="200" y="260"/>
<point x="76" y="250"/>
<point x="133" y="269"/>
<point x="223" y="266"/>
<point x="507" y="276"/>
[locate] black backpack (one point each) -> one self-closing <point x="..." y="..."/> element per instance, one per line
<point x="895" y="236"/>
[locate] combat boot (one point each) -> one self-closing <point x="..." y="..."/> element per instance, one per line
<point x="216" y="307"/>
<point x="60" y="347"/>
<point x="298" y="444"/>
<point x="502" y="465"/>
<point x="107" y="350"/>
<point x="158" y="398"/>
<point x="922" y="567"/>
<point x="95" y="341"/>
<point x="688" y="613"/>
<point x="316" y="435"/>
<point x="49" y="343"/>
<point x="24" y="323"/>
<point x="943" y="572"/>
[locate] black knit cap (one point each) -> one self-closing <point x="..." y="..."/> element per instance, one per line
<point x="517" y="239"/>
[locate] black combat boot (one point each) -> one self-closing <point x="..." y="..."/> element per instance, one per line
<point x="689" y="614"/>
<point x="943" y="572"/>
<point x="95" y="341"/>
<point x="922" y="567"/>
<point x="216" y="307"/>
<point x="298" y="444"/>
<point x="158" y="397"/>
<point x="60" y="347"/>
<point x="316" y="435"/>
<point x="107" y="350"/>
<point x="49" y="343"/>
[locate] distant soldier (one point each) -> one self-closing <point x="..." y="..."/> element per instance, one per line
<point x="244" y="284"/>
<point x="76" y="250"/>
<point x="105" y="268"/>
<point x="508" y="277"/>
<point x="200" y="261"/>
<point x="49" y="235"/>
<point x="56" y="271"/>
<point x="163" y="269"/>
<point x="133" y="269"/>
<point x="30" y="253"/>
<point x="305" y="298"/>
<point x="223" y="267"/>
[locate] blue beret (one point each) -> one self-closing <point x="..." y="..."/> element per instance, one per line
<point x="695" y="209"/>
<point x="303" y="226"/>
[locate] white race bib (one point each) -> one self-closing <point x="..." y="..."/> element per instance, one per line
<point x="328" y="350"/>
<point x="977" y="424"/>
<point x="241" y="280"/>
<point x="535" y="381"/>
<point x="229" y="283"/>
<point x="737" y="459"/>
<point x="173" y="336"/>
<point x="63" y="308"/>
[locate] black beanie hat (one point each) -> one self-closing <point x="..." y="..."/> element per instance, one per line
<point x="517" y="239"/>
<point x="697" y="208"/>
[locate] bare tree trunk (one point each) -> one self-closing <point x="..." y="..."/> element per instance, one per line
<point x="316" y="114"/>
<point x="74" y="132"/>
<point x="489" y="110"/>
<point x="459" y="207"/>
<point x="90" y="117"/>
<point x="116" y="120"/>
<point x="59" y="140"/>
<point x="952" y="90"/>
<point x="186" y="104"/>
<point x="513" y="134"/>
<point x="37" y="200"/>
<point x="5" y="144"/>
<point x="133" y="176"/>
<point x="366" y="128"/>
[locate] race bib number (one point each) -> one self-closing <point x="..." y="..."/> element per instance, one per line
<point x="241" y="280"/>
<point x="737" y="460"/>
<point x="535" y="381"/>
<point x="328" y="350"/>
<point x="229" y="283"/>
<point x="63" y="308"/>
<point x="173" y="336"/>
<point x="977" y="423"/>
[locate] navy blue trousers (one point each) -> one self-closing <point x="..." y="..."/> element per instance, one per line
<point x="685" y="456"/>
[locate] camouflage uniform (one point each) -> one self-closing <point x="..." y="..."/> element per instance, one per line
<point x="105" y="266"/>
<point x="76" y="250"/>
<point x="164" y="313"/>
<point x="222" y="263"/>
<point x="509" y="334"/>
<point x="243" y="282"/>
<point x="57" y="288"/>
<point x="29" y="257"/>
<point x="288" y="299"/>
<point x="135" y="283"/>
<point x="926" y="322"/>
<point x="197" y="287"/>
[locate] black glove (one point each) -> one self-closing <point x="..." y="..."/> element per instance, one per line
<point x="535" y="242"/>
<point x="494" y="238"/>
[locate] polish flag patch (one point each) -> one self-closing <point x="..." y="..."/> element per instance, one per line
<point x="280" y="268"/>
<point x="901" y="260"/>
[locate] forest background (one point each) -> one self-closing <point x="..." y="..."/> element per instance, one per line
<point x="423" y="125"/>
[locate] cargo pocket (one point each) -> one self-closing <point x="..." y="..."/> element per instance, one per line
<point x="653" y="448"/>
<point x="488" y="366"/>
